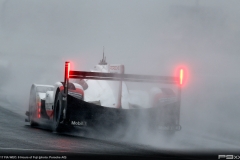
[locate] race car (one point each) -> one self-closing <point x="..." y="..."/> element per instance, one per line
<point x="100" y="99"/>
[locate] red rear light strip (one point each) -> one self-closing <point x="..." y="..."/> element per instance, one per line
<point x="68" y="66"/>
<point x="181" y="76"/>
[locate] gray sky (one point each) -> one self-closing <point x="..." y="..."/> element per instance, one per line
<point x="160" y="33"/>
<point x="147" y="36"/>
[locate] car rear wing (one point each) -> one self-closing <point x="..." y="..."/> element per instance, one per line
<point x="70" y="74"/>
<point x="123" y="77"/>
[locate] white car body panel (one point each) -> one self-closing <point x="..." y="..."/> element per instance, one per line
<point x="106" y="91"/>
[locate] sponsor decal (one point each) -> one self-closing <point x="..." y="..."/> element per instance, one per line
<point x="115" y="68"/>
<point x="79" y="123"/>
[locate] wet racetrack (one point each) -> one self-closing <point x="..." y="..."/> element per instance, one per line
<point x="19" y="139"/>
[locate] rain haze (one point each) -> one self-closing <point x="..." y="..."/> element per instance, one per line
<point x="146" y="36"/>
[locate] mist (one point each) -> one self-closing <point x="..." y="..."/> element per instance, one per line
<point x="147" y="37"/>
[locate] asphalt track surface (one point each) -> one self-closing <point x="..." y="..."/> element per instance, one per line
<point x="18" y="139"/>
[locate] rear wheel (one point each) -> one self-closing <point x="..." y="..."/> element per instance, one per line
<point x="58" y="114"/>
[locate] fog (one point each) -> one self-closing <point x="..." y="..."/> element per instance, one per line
<point x="147" y="36"/>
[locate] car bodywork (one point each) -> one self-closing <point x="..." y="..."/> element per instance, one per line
<point x="78" y="103"/>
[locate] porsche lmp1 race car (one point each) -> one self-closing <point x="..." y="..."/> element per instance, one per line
<point x="100" y="99"/>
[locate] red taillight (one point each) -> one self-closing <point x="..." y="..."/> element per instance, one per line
<point x="67" y="69"/>
<point x="181" y="76"/>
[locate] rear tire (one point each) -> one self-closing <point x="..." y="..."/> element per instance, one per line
<point x="58" y="114"/>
